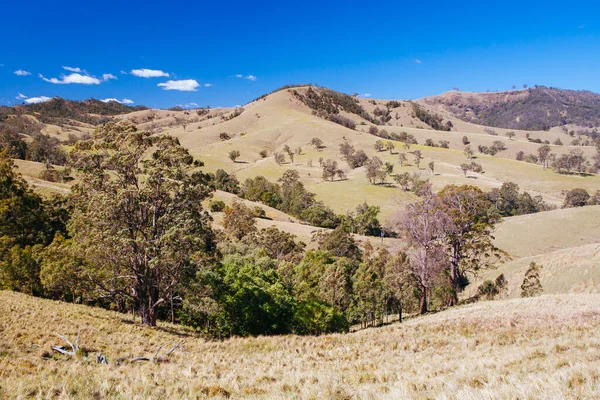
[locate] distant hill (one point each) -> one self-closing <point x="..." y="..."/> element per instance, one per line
<point x="537" y="108"/>
<point x="58" y="110"/>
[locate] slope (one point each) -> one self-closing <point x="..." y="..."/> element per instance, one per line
<point x="545" y="347"/>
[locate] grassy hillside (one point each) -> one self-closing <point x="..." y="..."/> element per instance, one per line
<point x="545" y="232"/>
<point x="545" y="347"/>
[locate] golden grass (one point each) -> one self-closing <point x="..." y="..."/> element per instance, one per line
<point x="546" y="347"/>
<point x="570" y="270"/>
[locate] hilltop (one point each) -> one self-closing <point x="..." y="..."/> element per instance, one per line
<point x="537" y="108"/>
<point x="545" y="347"/>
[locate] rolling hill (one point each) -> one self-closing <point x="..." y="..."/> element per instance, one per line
<point x="537" y="108"/>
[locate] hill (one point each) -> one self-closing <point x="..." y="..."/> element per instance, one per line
<point x="286" y="118"/>
<point x="56" y="110"/>
<point x="537" y="108"/>
<point x="544" y="347"/>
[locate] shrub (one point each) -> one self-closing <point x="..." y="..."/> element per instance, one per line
<point x="263" y="153"/>
<point x="216" y="206"/>
<point x="576" y="198"/>
<point x="531" y="285"/>
<point x="224" y="136"/>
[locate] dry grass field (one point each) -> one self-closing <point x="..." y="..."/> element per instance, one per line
<point x="538" y="348"/>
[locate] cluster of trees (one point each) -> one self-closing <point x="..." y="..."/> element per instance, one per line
<point x="327" y="104"/>
<point x="290" y="196"/>
<point x="331" y="170"/>
<point x="378" y="171"/>
<point x="406" y="138"/>
<point x="492" y="150"/>
<point x="41" y="148"/>
<point x="431" y="119"/>
<point x="573" y="161"/>
<point x="354" y="158"/>
<point x="444" y="144"/>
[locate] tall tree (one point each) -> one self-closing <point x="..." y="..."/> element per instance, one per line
<point x="424" y="225"/>
<point x="468" y="233"/>
<point x="137" y="215"/>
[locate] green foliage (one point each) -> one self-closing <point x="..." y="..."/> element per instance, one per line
<point x="221" y="180"/>
<point x="138" y="216"/>
<point x="509" y="202"/>
<point x="315" y="317"/>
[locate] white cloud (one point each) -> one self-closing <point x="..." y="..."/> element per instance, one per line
<point x="249" y="77"/>
<point x="127" y="101"/>
<point x="35" y="100"/>
<point x="106" y="77"/>
<point x="20" y="96"/>
<point x="186" y="85"/>
<point x="367" y="95"/>
<point x="123" y="72"/>
<point x="21" y="72"/>
<point x="418" y="61"/>
<point x="72" y="69"/>
<point x="149" y="73"/>
<point x="73" y="78"/>
<point x="207" y="84"/>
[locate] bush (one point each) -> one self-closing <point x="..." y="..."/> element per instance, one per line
<point x="576" y="198"/>
<point x="316" y="318"/>
<point x="216" y="206"/>
<point x="224" y="136"/>
<point x="263" y="153"/>
<point x="259" y="212"/>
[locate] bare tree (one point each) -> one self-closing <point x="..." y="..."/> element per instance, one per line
<point x="423" y="224"/>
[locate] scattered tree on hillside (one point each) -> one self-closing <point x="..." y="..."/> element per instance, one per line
<point x="279" y="158"/>
<point x="379" y="146"/>
<point x="468" y="151"/>
<point x="465" y="140"/>
<point x="318" y="143"/>
<point x="401" y="158"/>
<point x="330" y="170"/>
<point x="544" y="155"/>
<point x="390" y="146"/>
<point x="532" y="285"/>
<point x="432" y="167"/>
<point x="234" y="155"/>
<point x="418" y="157"/>
<point x="373" y="168"/>
<point x="510" y="135"/>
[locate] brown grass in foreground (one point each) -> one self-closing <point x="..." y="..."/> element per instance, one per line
<point x="545" y="347"/>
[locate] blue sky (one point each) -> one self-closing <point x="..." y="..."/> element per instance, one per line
<point x="227" y="53"/>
